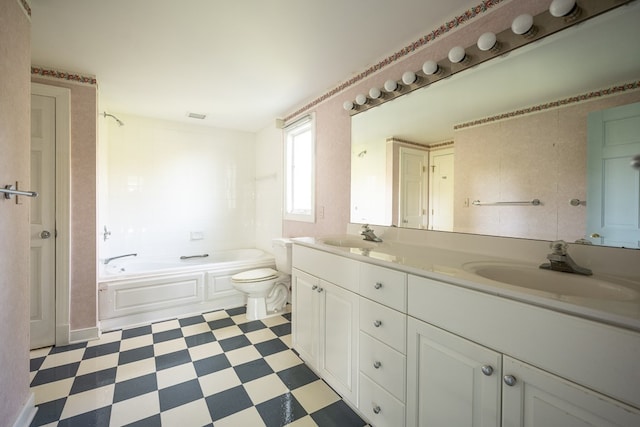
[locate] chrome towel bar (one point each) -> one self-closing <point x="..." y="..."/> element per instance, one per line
<point x="534" y="202"/>
<point x="194" y="256"/>
<point x="10" y="190"/>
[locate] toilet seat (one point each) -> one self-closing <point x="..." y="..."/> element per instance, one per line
<point x="257" y="275"/>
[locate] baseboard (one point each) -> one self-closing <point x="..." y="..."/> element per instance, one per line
<point x="81" y="335"/>
<point x="27" y="413"/>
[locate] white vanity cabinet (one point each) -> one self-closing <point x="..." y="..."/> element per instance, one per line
<point x="472" y="373"/>
<point x="325" y="321"/>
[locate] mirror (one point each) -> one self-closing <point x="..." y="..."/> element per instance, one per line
<point x="502" y="135"/>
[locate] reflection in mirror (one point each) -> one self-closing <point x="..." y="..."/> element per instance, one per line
<point x="514" y="129"/>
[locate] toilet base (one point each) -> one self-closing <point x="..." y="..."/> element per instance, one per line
<point x="257" y="309"/>
<point x="260" y="307"/>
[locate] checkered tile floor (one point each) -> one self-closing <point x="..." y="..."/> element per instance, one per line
<point x="211" y="369"/>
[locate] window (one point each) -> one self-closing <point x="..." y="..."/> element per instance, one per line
<point x="300" y="170"/>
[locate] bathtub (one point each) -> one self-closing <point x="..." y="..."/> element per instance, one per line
<point x="137" y="290"/>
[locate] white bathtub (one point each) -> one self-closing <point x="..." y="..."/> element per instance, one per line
<point x="136" y="290"/>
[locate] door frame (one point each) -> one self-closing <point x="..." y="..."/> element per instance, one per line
<point x="63" y="206"/>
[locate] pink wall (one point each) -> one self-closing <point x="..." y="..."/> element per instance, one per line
<point x="15" y="39"/>
<point x="83" y="239"/>
<point x="333" y="124"/>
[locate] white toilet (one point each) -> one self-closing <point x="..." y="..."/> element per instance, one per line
<point x="267" y="289"/>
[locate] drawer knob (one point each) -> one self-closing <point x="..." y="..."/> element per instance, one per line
<point x="510" y="380"/>
<point x="314" y="287"/>
<point x="376" y="409"/>
<point x="487" y="370"/>
<point x="378" y="285"/>
<point x="377" y="364"/>
<point x="377" y="323"/>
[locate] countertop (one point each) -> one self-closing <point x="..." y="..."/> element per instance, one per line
<point x="455" y="268"/>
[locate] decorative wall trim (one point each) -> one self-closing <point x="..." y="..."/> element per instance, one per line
<point x="63" y="75"/>
<point x="417" y="144"/>
<point x="418" y="44"/>
<point x="25" y="6"/>
<point x="553" y="104"/>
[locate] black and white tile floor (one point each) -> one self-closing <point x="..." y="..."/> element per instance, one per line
<point x="212" y="369"/>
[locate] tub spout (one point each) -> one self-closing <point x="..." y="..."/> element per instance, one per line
<point x="108" y="260"/>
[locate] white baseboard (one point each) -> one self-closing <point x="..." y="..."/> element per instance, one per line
<point x="27" y="413"/>
<point x="81" y="335"/>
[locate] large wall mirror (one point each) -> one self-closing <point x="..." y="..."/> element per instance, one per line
<point x="537" y="143"/>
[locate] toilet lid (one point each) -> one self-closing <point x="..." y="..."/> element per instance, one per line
<point x="256" y="275"/>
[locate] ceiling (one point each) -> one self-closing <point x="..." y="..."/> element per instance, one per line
<point x="242" y="63"/>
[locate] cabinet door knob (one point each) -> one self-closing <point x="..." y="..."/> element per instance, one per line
<point x="320" y="290"/>
<point x="487" y="370"/>
<point x="378" y="285"/>
<point x="314" y="287"/>
<point x="377" y="323"/>
<point x="510" y="380"/>
<point x="376" y="409"/>
<point x="377" y="364"/>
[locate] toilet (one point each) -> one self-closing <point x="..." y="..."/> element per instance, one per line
<point x="267" y="290"/>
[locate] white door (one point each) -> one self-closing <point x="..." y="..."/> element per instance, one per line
<point x="613" y="186"/>
<point x="413" y="201"/>
<point x="538" y="399"/>
<point x="450" y="381"/>
<point x="42" y="218"/>
<point x="441" y="190"/>
<point x="339" y="316"/>
<point x="305" y="316"/>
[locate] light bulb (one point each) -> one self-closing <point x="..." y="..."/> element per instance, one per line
<point x="457" y="54"/>
<point x="487" y="41"/>
<point x="348" y="105"/>
<point x="391" y="85"/>
<point x="409" y="77"/>
<point x="374" y="93"/>
<point x="361" y="99"/>
<point x="430" y="68"/>
<point x="560" y="8"/>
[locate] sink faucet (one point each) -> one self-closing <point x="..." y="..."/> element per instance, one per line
<point x="108" y="260"/>
<point x="561" y="261"/>
<point x="369" y="235"/>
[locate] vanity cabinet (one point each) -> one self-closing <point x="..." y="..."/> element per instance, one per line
<point x="325" y="327"/>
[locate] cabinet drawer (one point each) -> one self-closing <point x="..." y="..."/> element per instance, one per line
<point x="386" y="286"/>
<point x="384" y="365"/>
<point x="332" y="268"/>
<point x="383" y="323"/>
<point x="373" y="398"/>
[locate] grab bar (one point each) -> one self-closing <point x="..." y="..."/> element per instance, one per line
<point x="534" y="202"/>
<point x="9" y="190"/>
<point x="194" y="256"/>
<point x="108" y="260"/>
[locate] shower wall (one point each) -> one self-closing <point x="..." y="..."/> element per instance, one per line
<point x="175" y="189"/>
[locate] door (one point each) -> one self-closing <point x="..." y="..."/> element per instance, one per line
<point x="339" y="316"/>
<point x="42" y="220"/>
<point x="613" y="186"/>
<point x="305" y="316"/>
<point x="441" y="190"/>
<point x="534" y="398"/>
<point x="413" y="201"/>
<point x="450" y="381"/>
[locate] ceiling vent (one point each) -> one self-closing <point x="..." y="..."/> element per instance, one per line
<point x="196" y="116"/>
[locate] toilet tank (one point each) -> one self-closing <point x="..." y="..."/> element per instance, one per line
<point x="282" y="254"/>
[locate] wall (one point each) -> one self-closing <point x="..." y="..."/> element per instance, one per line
<point x="493" y="163"/>
<point x="168" y="180"/>
<point x="15" y="91"/>
<point x="333" y="123"/>
<point x="269" y="166"/>
<point x="83" y="203"/>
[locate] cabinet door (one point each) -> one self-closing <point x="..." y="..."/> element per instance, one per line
<point x="450" y="381"/>
<point x="532" y="397"/>
<point x="339" y="344"/>
<point x="305" y="325"/>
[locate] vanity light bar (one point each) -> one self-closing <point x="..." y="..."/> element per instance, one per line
<point x="525" y="29"/>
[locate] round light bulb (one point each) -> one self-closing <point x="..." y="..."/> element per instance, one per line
<point x="561" y="8"/>
<point x="457" y="54"/>
<point x="390" y="85"/>
<point x="430" y="67"/>
<point x="487" y="41"/>
<point x="409" y="77"/>
<point x="361" y="99"/>
<point x="374" y="93"/>
<point x="348" y="105"/>
<point x="522" y="24"/>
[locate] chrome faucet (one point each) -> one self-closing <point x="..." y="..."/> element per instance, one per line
<point x="108" y="260"/>
<point x="559" y="260"/>
<point x="369" y="235"/>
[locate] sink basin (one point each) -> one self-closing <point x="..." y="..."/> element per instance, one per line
<point x="350" y="243"/>
<point x="557" y="283"/>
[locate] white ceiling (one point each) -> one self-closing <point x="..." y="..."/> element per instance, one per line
<point x="242" y="63"/>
